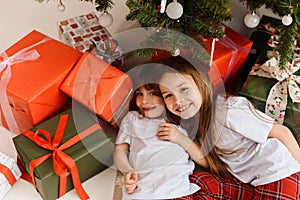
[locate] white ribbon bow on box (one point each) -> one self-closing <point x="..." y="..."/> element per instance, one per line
<point x="25" y="54"/>
<point x="287" y="85"/>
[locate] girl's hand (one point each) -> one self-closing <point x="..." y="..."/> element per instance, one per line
<point x="130" y="181"/>
<point x="168" y="131"/>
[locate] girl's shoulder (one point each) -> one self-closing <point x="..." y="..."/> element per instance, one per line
<point x="233" y="102"/>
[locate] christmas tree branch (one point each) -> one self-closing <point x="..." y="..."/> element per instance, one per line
<point x="100" y="5"/>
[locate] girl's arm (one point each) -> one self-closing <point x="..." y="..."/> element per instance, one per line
<point x="284" y="134"/>
<point x="171" y="133"/>
<point x="121" y="158"/>
<point x="122" y="163"/>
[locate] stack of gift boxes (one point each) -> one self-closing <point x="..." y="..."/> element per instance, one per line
<point x="63" y="101"/>
<point x="260" y="85"/>
<point x="63" y="105"/>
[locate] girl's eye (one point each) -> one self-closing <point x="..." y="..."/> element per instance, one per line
<point x="167" y="96"/>
<point x="139" y="94"/>
<point x="184" y="89"/>
<point x="154" y="93"/>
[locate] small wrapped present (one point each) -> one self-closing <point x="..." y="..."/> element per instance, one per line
<point x="85" y="33"/>
<point x="257" y="88"/>
<point x="9" y="173"/>
<point x="64" y="151"/>
<point x="31" y="72"/>
<point x="102" y="88"/>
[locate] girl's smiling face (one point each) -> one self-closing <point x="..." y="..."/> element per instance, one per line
<point x="150" y="103"/>
<point x="181" y="94"/>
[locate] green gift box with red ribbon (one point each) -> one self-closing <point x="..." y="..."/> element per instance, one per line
<point x="66" y="150"/>
<point x="256" y="89"/>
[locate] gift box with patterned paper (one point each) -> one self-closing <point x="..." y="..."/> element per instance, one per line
<point x="85" y="33"/>
<point x="9" y="173"/>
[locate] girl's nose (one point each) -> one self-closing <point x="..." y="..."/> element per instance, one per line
<point x="177" y="99"/>
<point x="145" y="99"/>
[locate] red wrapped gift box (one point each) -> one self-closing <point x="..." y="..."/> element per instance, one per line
<point x="230" y="53"/>
<point x="38" y="66"/>
<point x="99" y="86"/>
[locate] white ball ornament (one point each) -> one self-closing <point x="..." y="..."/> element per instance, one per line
<point x="287" y="20"/>
<point x="105" y="19"/>
<point x="174" y="10"/>
<point x="61" y="7"/>
<point x="251" y="20"/>
<point x="176" y="52"/>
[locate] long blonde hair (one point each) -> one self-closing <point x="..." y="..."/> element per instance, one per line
<point x="205" y="127"/>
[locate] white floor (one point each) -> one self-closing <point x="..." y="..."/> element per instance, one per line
<point x="99" y="187"/>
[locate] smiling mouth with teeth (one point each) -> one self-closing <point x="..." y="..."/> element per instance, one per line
<point x="183" y="108"/>
<point x="149" y="108"/>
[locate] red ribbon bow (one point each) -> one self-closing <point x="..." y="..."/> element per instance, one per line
<point x="8" y="174"/>
<point x="63" y="164"/>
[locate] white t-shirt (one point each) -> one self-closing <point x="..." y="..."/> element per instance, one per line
<point x="259" y="159"/>
<point x="163" y="167"/>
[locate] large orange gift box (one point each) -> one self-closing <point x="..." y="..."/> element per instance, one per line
<point x="31" y="72"/>
<point x="229" y="55"/>
<point x="100" y="87"/>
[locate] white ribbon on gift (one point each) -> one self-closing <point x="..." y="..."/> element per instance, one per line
<point x="25" y="54"/>
<point x="233" y="47"/>
<point x="286" y="86"/>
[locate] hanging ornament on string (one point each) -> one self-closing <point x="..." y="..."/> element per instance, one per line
<point x="174" y="10"/>
<point x="60" y="6"/>
<point x="163" y="4"/>
<point x="251" y="20"/>
<point x="105" y="19"/>
<point x="288" y="19"/>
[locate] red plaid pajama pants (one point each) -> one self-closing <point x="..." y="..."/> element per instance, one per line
<point x="215" y="188"/>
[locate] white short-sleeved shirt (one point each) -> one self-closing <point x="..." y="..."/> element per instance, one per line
<point x="259" y="159"/>
<point x="163" y="166"/>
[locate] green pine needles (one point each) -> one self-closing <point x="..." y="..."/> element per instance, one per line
<point x="200" y="18"/>
<point x="100" y="5"/>
<point x="287" y="34"/>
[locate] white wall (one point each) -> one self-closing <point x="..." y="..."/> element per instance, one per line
<point x="19" y="17"/>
